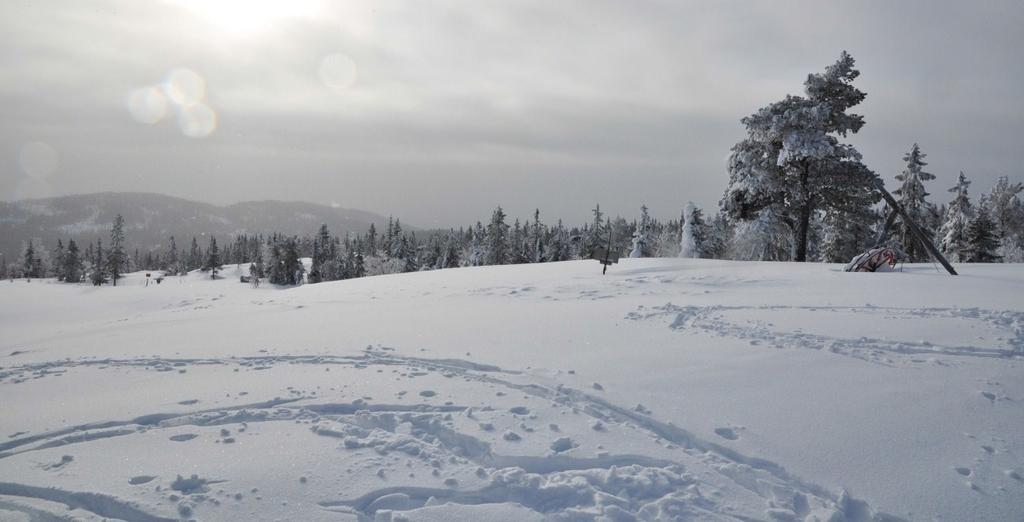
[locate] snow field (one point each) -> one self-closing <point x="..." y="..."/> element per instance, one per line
<point x="668" y="389"/>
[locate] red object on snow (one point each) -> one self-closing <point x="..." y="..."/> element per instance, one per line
<point x="874" y="260"/>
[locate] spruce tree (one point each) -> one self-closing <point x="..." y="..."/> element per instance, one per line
<point x="28" y="261"/>
<point x="408" y="251"/>
<point x="195" y="256"/>
<point x="982" y="237"/>
<point x="57" y="257"/>
<point x="71" y="264"/>
<point x="642" y="246"/>
<point x="1005" y="206"/>
<point x="358" y="265"/>
<point x="497" y="239"/>
<point x="171" y="258"/>
<point x="536" y="238"/>
<point x="324" y="257"/>
<point x="912" y="196"/>
<point x="595" y="235"/>
<point x="213" y="260"/>
<point x="689" y="246"/>
<point x="98" y="276"/>
<point x="292" y="265"/>
<point x="1007" y="211"/>
<point x="116" y="255"/>
<point x="450" y="252"/>
<point x="953" y="232"/>
<point x="371" y="241"/>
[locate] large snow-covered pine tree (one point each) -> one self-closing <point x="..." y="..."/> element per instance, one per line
<point x="792" y="163"/>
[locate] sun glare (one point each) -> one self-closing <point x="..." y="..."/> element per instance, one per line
<point x="245" y="17"/>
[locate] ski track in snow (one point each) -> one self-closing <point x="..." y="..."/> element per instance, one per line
<point x="714" y="321"/>
<point x="689" y="478"/>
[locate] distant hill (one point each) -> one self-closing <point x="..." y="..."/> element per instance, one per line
<point x="151" y="218"/>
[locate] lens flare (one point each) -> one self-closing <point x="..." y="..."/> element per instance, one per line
<point x="38" y="160"/>
<point x="197" y="121"/>
<point x="185" y="87"/>
<point x="148" y="105"/>
<point x="338" y="72"/>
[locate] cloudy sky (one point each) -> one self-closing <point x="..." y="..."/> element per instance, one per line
<point x="438" y="111"/>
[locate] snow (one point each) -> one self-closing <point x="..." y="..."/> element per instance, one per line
<point x="667" y="389"/>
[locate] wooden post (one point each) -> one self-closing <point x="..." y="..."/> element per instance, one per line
<point x="928" y="245"/>
<point x="884" y="233"/>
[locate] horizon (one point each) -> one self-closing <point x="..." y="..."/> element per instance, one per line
<point x="390" y="109"/>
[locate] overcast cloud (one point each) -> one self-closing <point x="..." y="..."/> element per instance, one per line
<point x="438" y="111"/>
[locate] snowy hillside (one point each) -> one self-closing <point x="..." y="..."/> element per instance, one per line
<point x="152" y="218"/>
<point x="665" y="390"/>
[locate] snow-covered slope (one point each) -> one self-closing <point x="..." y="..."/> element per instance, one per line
<point x="667" y="389"/>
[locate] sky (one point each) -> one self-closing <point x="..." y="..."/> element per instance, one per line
<point x="439" y="111"/>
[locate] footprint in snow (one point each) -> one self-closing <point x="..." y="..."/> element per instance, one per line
<point x="727" y="433"/>
<point x="64" y="461"/>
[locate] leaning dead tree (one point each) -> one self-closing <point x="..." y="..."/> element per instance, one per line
<point x="897" y="210"/>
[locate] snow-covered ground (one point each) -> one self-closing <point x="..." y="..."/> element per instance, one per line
<point x="667" y="389"/>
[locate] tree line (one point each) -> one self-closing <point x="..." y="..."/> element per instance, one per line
<point x="796" y="192"/>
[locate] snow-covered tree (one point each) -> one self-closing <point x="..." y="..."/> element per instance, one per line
<point x="117" y="258"/>
<point x="285" y="266"/>
<point x="171" y="260"/>
<point x="324" y="259"/>
<point x="450" y="252"/>
<point x="719" y="235"/>
<point x="636" y="251"/>
<point x="912" y="196"/>
<point x="535" y="238"/>
<point x="213" y="259"/>
<point x="688" y="246"/>
<point x="982" y="236"/>
<point x="765" y="238"/>
<point x="195" y="256"/>
<point x="497" y="239"/>
<point x="98" y="274"/>
<point x="953" y="232"/>
<point x="57" y="257"/>
<point x="792" y="163"/>
<point x="596" y="236"/>
<point x="71" y="264"/>
<point x="847" y="232"/>
<point x="29" y="261"/>
<point x="642" y="242"/>
<point x="1007" y="211"/>
<point x="559" y="245"/>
